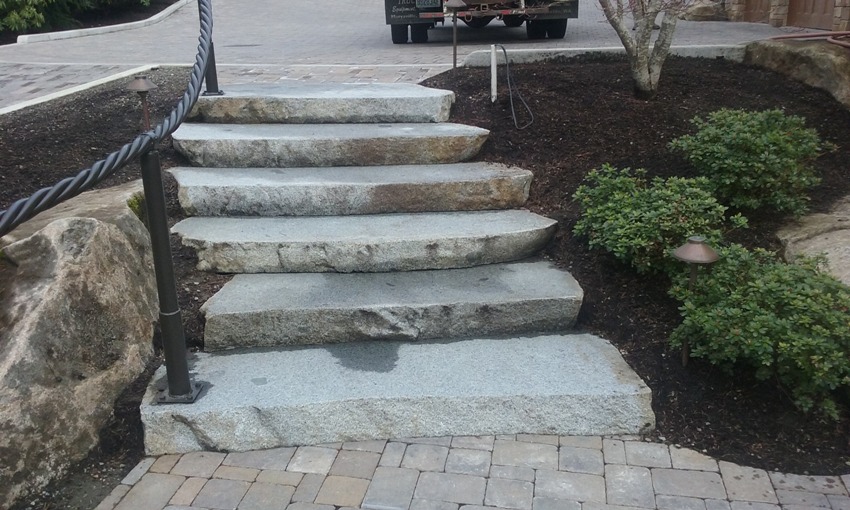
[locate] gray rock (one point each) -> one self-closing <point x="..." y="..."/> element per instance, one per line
<point x="822" y="234"/>
<point x="705" y="10"/>
<point x="295" y="309"/>
<point x="316" y="103"/>
<point x="815" y="63"/>
<point x="78" y="303"/>
<point x="350" y="190"/>
<point x="308" y="145"/>
<point x="366" y="243"/>
<point x="570" y="385"/>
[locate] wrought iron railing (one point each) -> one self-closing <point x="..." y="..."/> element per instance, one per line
<point x="180" y="388"/>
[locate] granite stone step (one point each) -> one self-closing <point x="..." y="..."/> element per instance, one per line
<point x="311" y="145"/>
<point x="350" y="190"/>
<point x="318" y="103"/>
<point x="317" y="308"/>
<point x="564" y="384"/>
<point x="365" y="243"/>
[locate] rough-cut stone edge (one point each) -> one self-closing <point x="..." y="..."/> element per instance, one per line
<point x="244" y="104"/>
<point x="816" y="63"/>
<point x="243" y="425"/>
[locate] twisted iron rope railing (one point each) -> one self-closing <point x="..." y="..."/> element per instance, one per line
<point x="46" y="198"/>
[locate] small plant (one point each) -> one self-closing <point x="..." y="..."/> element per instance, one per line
<point x="755" y="159"/>
<point x="639" y="222"/>
<point x="790" y="322"/>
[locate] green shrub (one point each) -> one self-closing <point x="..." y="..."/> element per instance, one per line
<point x="790" y="322"/>
<point x="639" y="222"/>
<point x="755" y="159"/>
<point x="26" y="15"/>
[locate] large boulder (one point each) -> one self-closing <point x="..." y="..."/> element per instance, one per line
<point x="77" y="308"/>
<point x="822" y="234"/>
<point x="816" y="63"/>
<point x="705" y="10"/>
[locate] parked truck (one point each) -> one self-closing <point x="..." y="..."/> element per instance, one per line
<point x="411" y="19"/>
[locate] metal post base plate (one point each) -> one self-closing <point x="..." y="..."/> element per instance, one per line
<point x="163" y="397"/>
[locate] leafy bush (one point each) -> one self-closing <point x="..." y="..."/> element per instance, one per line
<point x="790" y="322"/>
<point x="24" y="15"/>
<point x="755" y="159"/>
<point x="640" y="222"/>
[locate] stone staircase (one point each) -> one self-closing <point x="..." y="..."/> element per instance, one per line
<point x="384" y="287"/>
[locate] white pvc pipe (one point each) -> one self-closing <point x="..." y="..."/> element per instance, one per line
<point x="493" y="73"/>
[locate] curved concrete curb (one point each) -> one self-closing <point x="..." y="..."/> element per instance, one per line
<point x="71" y="34"/>
<point x="481" y="58"/>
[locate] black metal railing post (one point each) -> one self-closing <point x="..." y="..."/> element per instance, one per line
<point x="180" y="388"/>
<point x="211" y="73"/>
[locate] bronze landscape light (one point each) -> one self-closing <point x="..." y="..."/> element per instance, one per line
<point x="142" y="85"/>
<point x="695" y="252"/>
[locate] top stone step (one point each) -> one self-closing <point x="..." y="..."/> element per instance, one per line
<point x="307" y="103"/>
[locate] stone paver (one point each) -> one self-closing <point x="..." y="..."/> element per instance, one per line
<point x="614" y="451"/>
<point x="753" y="505"/>
<point x="201" y="464"/>
<point x="393" y="454"/>
<point x="747" y="484"/>
<point x="629" y="486"/>
<point x="425" y="457"/>
<point x="462" y="489"/>
<point x="366" y="446"/>
<point x="533" y="455"/>
<point x="266" y="495"/>
<point x="839" y="502"/>
<point x="342" y="491"/>
<point x="355" y="464"/>
<point x="391" y="488"/>
<point x="512" y="473"/>
<point x="236" y="473"/>
<point x="693" y="484"/>
<point x="821" y="484"/>
<point x="276" y="458"/>
<point x="139" y="471"/>
<point x="506" y="493"/>
<point x="188" y="491"/>
<point x="312" y="459"/>
<point x="425" y="504"/>
<point x="152" y="492"/>
<point x="468" y="462"/>
<point x="683" y="458"/>
<point x="280" y="477"/>
<point x="573" y="486"/>
<point x="591" y="442"/>
<point x="540" y="503"/>
<point x="812" y="499"/>
<point x="647" y="454"/>
<point x="308" y="489"/>
<point x="663" y="502"/>
<point x="474" y="442"/>
<point x="581" y="460"/>
<point x="221" y="494"/>
<point x="164" y="464"/>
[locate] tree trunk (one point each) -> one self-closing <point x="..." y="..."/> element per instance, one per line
<point x="645" y="59"/>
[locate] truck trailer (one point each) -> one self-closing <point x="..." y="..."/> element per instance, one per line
<point x="409" y="20"/>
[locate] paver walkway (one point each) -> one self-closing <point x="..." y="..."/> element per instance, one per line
<point x="307" y="40"/>
<point x="522" y="472"/>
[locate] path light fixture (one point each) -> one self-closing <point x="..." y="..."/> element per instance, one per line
<point x="695" y="252"/>
<point x="142" y="85"/>
<point x="454" y="6"/>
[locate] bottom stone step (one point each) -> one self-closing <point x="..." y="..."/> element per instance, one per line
<point x="570" y="384"/>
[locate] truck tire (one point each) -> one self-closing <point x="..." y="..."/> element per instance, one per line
<point x="478" y="21"/>
<point x="419" y="33"/>
<point x="536" y="29"/>
<point x="399" y="34"/>
<point x="512" y="21"/>
<point x="556" y="28"/>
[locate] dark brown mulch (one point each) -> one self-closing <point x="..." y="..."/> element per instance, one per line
<point x="584" y="115"/>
